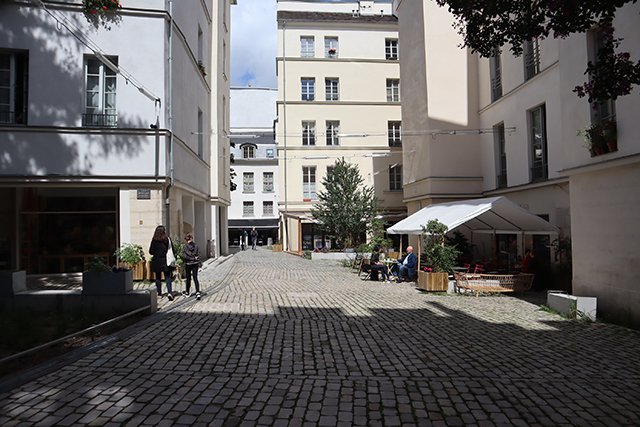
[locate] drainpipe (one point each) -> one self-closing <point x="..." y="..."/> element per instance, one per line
<point x="168" y="199"/>
<point x="284" y="133"/>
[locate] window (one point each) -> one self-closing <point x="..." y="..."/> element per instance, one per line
<point x="13" y="87"/>
<point x="200" y="44"/>
<point x="395" y="178"/>
<point x="267" y="208"/>
<point x="333" y="130"/>
<point x="308" y="183"/>
<point x="309" y="133"/>
<point x="330" y="47"/>
<point x="200" y="133"/>
<point x="331" y="89"/>
<point x="247" y="208"/>
<point x="267" y="182"/>
<point x="224" y="59"/>
<point x="100" y="83"/>
<point x="395" y="134"/>
<point x="502" y="156"/>
<point x="605" y="111"/>
<point x="248" y="151"/>
<point x="307" y="49"/>
<point x="537" y="120"/>
<point x="308" y="89"/>
<point x="270" y="153"/>
<point x="391" y="48"/>
<point x="495" y="69"/>
<point x="247" y="182"/>
<point x="329" y="170"/>
<point x="531" y="58"/>
<point x="393" y="90"/>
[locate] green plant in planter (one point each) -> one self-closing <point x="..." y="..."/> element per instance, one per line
<point x="440" y="257"/>
<point x="593" y="136"/>
<point x="129" y="253"/>
<point x="98" y="264"/>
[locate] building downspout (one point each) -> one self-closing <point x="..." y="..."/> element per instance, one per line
<point x="284" y="126"/>
<point x="168" y="197"/>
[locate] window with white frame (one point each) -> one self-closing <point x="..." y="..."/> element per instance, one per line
<point x="200" y="133"/>
<point x="393" y="90"/>
<point x="267" y="208"/>
<point x="330" y="47"/>
<point x="395" y="178"/>
<point x="309" y="133"/>
<point x="247" y="209"/>
<point x="538" y="135"/>
<point x="331" y="90"/>
<point x="248" y="151"/>
<point x="495" y="72"/>
<point x="330" y="170"/>
<point x="395" y="134"/>
<point x="333" y="130"/>
<point x="307" y="49"/>
<point x="309" y="183"/>
<point x="100" y="93"/>
<point x="267" y="182"/>
<point x="391" y="48"/>
<point x="601" y="112"/>
<point x="531" y="57"/>
<point x="308" y="89"/>
<point x="501" y="149"/>
<point x="13" y="87"/>
<point x="247" y="182"/>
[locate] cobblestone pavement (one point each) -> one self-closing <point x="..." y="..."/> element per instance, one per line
<point x="282" y="341"/>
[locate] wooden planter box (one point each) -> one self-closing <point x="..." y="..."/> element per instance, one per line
<point x="139" y="269"/>
<point x="12" y="282"/>
<point x="433" y="281"/>
<point x="277" y="248"/>
<point x="107" y="283"/>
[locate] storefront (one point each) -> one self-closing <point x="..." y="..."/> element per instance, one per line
<point x="267" y="230"/>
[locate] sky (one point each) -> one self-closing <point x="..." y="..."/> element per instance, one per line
<point x="254" y="43"/>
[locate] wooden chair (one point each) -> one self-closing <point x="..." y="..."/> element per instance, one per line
<point x="357" y="263"/>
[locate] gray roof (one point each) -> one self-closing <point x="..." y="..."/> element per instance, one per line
<point x="285" y="15"/>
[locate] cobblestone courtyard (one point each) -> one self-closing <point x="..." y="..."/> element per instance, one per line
<point x="282" y="341"/>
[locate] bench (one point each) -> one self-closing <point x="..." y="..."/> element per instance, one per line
<point x="494" y="282"/>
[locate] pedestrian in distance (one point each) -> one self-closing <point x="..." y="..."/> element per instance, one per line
<point x="254" y="239"/>
<point x="192" y="262"/>
<point x="160" y="246"/>
<point x="243" y="243"/>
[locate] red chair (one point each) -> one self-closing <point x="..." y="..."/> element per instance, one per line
<point x="467" y="267"/>
<point x="479" y="269"/>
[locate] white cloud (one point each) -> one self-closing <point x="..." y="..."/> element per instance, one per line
<point x="254" y="43"/>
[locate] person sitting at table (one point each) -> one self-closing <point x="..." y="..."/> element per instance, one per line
<point x="407" y="265"/>
<point x="377" y="266"/>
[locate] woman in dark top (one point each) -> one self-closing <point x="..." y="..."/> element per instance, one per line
<point x="377" y="265"/>
<point x="193" y="261"/>
<point x="159" y="246"/>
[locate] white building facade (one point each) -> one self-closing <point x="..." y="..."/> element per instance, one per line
<point x="254" y="202"/>
<point x="339" y="98"/>
<point x="515" y="122"/>
<point x="106" y="132"/>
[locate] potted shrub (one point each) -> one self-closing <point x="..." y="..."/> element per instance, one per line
<point x="12" y="282"/>
<point x="610" y="134"/>
<point x="100" y="279"/>
<point x="594" y="137"/>
<point x="132" y="256"/>
<point x="439" y="258"/>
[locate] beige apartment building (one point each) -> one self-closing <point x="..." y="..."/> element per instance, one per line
<point x="507" y="126"/>
<point x="339" y="97"/>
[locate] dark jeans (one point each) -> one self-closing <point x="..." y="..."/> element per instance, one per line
<point x="192" y="270"/>
<point x="383" y="269"/>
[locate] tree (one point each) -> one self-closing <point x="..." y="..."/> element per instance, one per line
<point x="347" y="208"/>
<point x="440" y="257"/>
<point x="486" y="26"/>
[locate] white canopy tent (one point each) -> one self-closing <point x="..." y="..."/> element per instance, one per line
<point x="496" y="215"/>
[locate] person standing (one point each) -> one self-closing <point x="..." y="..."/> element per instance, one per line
<point x="160" y="245"/>
<point x="254" y="239"/>
<point x="192" y="261"/>
<point x="243" y="244"/>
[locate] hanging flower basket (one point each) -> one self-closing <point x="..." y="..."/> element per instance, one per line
<point x="95" y="7"/>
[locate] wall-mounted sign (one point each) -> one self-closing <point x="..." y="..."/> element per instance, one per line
<point x="144" y="194"/>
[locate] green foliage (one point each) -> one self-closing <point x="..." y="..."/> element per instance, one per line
<point x="460" y="242"/>
<point x="487" y="26"/>
<point x="347" y="208"/>
<point x="306" y="255"/>
<point x="177" y="251"/>
<point x="440" y="257"/>
<point x="129" y="253"/>
<point x="98" y="264"/>
<point x="100" y="6"/>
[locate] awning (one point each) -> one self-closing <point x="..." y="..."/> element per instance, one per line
<point x="492" y="215"/>
<point x="250" y="223"/>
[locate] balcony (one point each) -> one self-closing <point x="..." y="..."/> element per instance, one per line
<point x="100" y="120"/>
